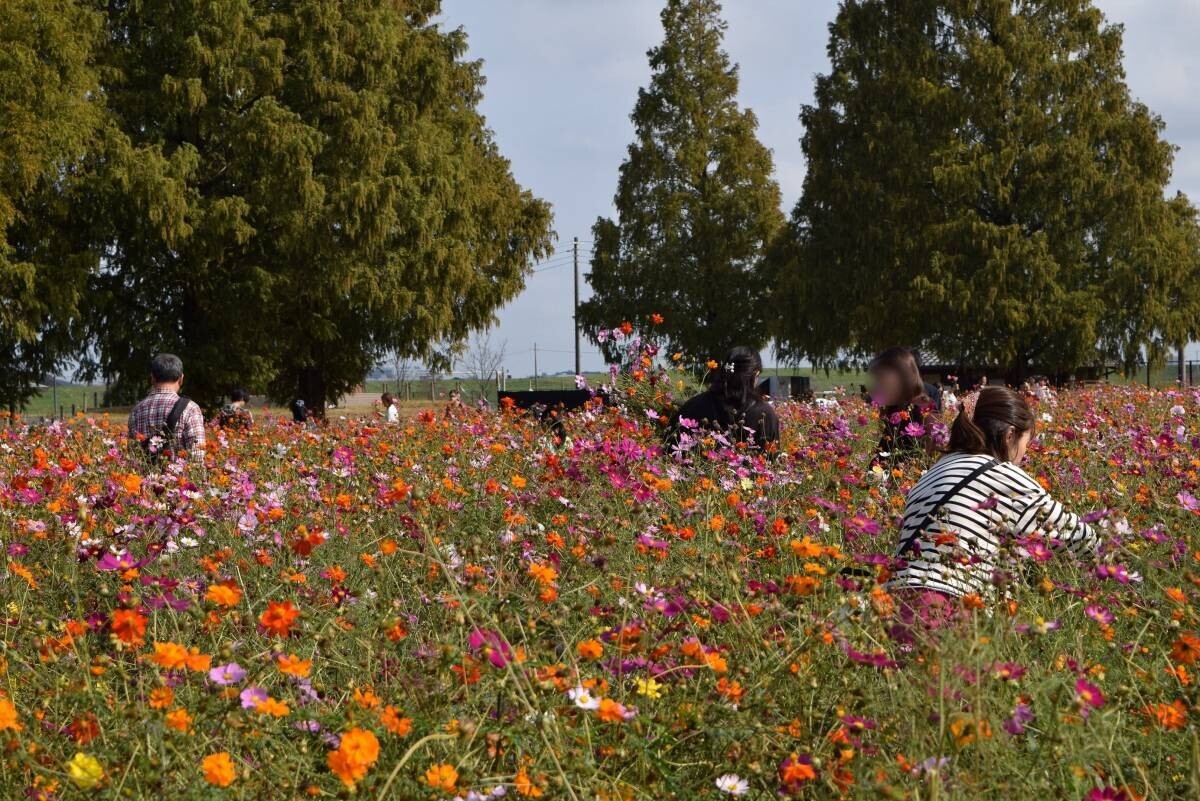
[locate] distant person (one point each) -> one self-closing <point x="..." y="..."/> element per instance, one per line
<point x="949" y="399"/>
<point x="390" y="410"/>
<point x="455" y="406"/>
<point x="907" y="407"/>
<point x="732" y="404"/>
<point x="962" y="509"/>
<point x="165" y="422"/>
<point x="235" y="415"/>
<point x="299" y="411"/>
<point x="1044" y="393"/>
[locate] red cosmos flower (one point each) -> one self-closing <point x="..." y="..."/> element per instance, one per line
<point x="1186" y="650"/>
<point x="129" y="626"/>
<point x="279" y="617"/>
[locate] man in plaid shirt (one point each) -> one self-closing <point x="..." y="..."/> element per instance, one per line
<point x="150" y="414"/>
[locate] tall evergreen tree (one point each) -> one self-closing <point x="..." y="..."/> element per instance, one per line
<point x="695" y="201"/>
<point x="50" y="116"/>
<point x="303" y="188"/>
<point x="980" y="183"/>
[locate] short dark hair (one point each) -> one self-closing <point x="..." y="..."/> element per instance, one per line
<point x="239" y="394"/>
<point x="166" y="368"/>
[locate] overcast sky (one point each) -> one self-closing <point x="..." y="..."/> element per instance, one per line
<point x="563" y="76"/>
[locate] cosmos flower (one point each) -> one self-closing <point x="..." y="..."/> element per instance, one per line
<point x="583" y="698"/>
<point x="732" y="784"/>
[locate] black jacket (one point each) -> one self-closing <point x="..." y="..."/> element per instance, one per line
<point x="712" y="414"/>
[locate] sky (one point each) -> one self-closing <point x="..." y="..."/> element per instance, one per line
<point x="563" y="75"/>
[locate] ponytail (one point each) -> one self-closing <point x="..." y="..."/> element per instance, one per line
<point x="984" y="420"/>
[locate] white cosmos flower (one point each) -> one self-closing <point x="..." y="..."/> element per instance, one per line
<point x="732" y="784"/>
<point x="583" y="698"/>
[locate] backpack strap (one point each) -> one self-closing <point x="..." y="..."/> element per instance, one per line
<point x="172" y="421"/>
<point x="911" y="542"/>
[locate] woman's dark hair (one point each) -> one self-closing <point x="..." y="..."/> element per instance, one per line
<point x="239" y="394"/>
<point x="996" y="410"/>
<point x="903" y="363"/>
<point x="387" y="399"/>
<point x="734" y="380"/>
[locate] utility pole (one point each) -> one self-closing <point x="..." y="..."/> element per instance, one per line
<point x="575" y="252"/>
<point x="535" y="370"/>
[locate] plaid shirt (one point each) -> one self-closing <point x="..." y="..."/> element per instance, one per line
<point x="150" y="414"/>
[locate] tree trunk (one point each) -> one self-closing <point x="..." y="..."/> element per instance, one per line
<point x="312" y="390"/>
<point x="1182" y="377"/>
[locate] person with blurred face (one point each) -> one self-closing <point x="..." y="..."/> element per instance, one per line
<point x="908" y="407"/>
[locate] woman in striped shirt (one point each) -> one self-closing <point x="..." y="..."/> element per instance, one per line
<point x="971" y="504"/>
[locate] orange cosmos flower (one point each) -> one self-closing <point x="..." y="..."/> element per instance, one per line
<point x="226" y="595"/>
<point x="442" y="777"/>
<point x="276" y="709"/>
<point x="1172" y="716"/>
<point x="169" y="655"/>
<point x="357" y="752"/>
<point x="129" y="626"/>
<point x="293" y="665"/>
<point x="391" y="719"/>
<point x="179" y="720"/>
<point x="366" y="698"/>
<point x="1186" y="650"/>
<point x="279" y="617"/>
<point x="161" y="697"/>
<point x="590" y="649"/>
<point x="525" y="786"/>
<point x="8" y="716"/>
<point x="610" y="711"/>
<point x="219" y="770"/>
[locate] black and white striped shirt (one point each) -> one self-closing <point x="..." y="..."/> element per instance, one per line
<point x="974" y="526"/>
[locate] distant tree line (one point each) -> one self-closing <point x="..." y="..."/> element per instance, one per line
<point x="278" y="193"/>
<point x="980" y="183"/>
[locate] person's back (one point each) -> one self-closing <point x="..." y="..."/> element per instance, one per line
<point x="149" y="418"/>
<point x="963" y="509"/>
<point x="731" y="405"/>
<point x="234" y="416"/>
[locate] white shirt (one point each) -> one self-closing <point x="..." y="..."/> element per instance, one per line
<point x="976" y="526"/>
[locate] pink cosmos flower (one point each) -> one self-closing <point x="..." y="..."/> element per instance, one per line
<point x="1088" y="696"/>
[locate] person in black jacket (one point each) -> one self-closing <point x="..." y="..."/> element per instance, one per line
<point x="732" y="404"/>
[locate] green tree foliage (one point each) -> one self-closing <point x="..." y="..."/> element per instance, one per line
<point x="1180" y="300"/>
<point x="50" y="113"/>
<point x="299" y="189"/>
<point x="696" y="203"/>
<point x="980" y="183"/>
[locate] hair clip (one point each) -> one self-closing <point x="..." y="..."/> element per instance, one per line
<point x="968" y="405"/>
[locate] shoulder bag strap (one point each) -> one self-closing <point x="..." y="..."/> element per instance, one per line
<point x="911" y="542"/>
<point x="173" y="418"/>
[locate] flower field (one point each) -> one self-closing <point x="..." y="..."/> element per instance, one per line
<point x="458" y="607"/>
